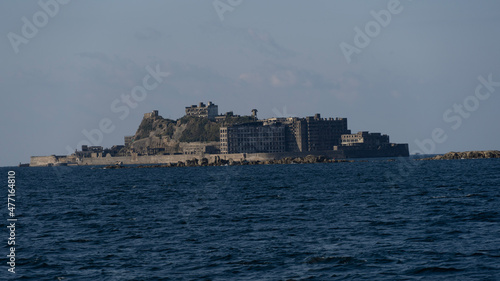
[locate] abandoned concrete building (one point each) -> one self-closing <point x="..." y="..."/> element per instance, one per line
<point x="151" y="114"/>
<point x="209" y="111"/>
<point x="365" y="139"/>
<point x="252" y="137"/>
<point x="221" y="118"/>
<point x="363" y="144"/>
<point x="284" y="135"/>
<point x="98" y="151"/>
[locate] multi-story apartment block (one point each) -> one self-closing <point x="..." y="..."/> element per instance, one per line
<point x="299" y="134"/>
<point x="323" y="134"/>
<point x="255" y="137"/>
<point x="312" y="133"/>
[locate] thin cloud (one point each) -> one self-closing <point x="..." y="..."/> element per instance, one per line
<point x="255" y="40"/>
<point x="281" y="76"/>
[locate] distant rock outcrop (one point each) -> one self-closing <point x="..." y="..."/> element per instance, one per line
<point x="466" y="155"/>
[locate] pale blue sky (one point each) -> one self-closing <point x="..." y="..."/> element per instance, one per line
<point x="268" y="55"/>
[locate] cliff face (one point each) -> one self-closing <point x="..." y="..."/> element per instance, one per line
<point x="155" y="126"/>
<point x="155" y="132"/>
<point x="198" y="129"/>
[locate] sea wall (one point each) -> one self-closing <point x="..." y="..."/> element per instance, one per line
<point x="163" y="159"/>
<point x="394" y="150"/>
<point x="42" y="160"/>
<point x="51" y="160"/>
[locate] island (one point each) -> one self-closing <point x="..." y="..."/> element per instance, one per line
<point x="203" y="135"/>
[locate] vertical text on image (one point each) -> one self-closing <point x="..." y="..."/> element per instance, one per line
<point x="11" y="221"/>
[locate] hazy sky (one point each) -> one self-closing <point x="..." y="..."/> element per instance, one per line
<point x="65" y="67"/>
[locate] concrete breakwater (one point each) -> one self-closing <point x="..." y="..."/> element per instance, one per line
<point x="466" y="155"/>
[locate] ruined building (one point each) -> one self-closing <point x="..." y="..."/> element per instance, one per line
<point x="252" y="137"/>
<point x="284" y="135"/>
<point x="365" y="144"/>
<point x="365" y="139"/>
<point x="209" y="111"/>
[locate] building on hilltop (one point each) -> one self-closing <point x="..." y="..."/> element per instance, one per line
<point x="254" y="137"/>
<point x="223" y="117"/>
<point x="209" y="111"/>
<point x="151" y="114"/>
<point x="254" y="114"/>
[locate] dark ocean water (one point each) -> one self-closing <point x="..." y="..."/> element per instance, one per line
<point x="428" y="220"/>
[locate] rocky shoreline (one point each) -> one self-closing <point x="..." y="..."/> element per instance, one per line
<point x="309" y="159"/>
<point x="466" y="155"/>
